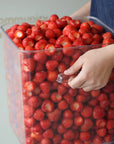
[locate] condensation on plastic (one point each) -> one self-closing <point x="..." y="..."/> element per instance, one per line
<point x="14" y="83"/>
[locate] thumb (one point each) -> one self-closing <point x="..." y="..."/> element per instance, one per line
<point x="74" y="68"/>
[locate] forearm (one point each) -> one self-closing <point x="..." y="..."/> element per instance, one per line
<point x="83" y="11"/>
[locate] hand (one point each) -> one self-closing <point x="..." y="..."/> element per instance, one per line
<point x="95" y="69"/>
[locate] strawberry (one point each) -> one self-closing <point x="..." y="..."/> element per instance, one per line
<point x="45" y="124"/>
<point x="67" y="123"/>
<point x="78" y="121"/>
<point x="98" y="112"/>
<point x="66" y="18"/>
<point x="36" y="136"/>
<point x="86" y="112"/>
<point x="53" y="17"/>
<point x="61" y="23"/>
<point x="100" y="123"/>
<point x="68" y="114"/>
<point x="45" y="86"/>
<point x="45" y="141"/>
<point x="51" y="65"/>
<point x="28" y="42"/>
<point x="40" y="57"/>
<point x="39" y="115"/>
<point x="34" y="101"/>
<point x="69" y="135"/>
<point x="49" y="49"/>
<point x="55" y="97"/>
<point x="87" y="38"/>
<point x="29" y="122"/>
<point x="75" y="23"/>
<point x="62" y="105"/>
<point x="40" y="76"/>
<point x="67" y="29"/>
<point x="52" y="25"/>
<point x="49" y="34"/>
<point x="48" y="133"/>
<point x="68" y="50"/>
<point x="44" y="95"/>
<point x="107" y="35"/>
<point x="84" y="136"/>
<point x="40" y="45"/>
<point x="54" y="116"/>
<point x="76" y="106"/>
<point x="57" y="139"/>
<point x="64" y="141"/>
<point x="87" y="125"/>
<point x="61" y="129"/>
<point x="47" y="106"/>
<point x="57" y="56"/>
<point x="19" y="34"/>
<point x="97" y="140"/>
<point x="85" y="25"/>
<point x="62" y="89"/>
<point x="29" y="86"/>
<point x="52" y="76"/>
<point x="28" y="65"/>
<point x="68" y="98"/>
<point x="57" y="32"/>
<point x="36" y="128"/>
<point x="28" y="111"/>
<point x="98" y="27"/>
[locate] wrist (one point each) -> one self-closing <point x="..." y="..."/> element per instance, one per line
<point x="110" y="53"/>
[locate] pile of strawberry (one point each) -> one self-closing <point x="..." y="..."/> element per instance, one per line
<point x="55" y="113"/>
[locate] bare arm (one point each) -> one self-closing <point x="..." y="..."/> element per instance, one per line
<point x="83" y="11"/>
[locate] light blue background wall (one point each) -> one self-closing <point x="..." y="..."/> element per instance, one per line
<point x="25" y="8"/>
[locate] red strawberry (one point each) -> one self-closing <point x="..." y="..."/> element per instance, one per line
<point x="55" y="97"/>
<point x="54" y="116"/>
<point x="28" y="65"/>
<point x="39" y="115"/>
<point x="57" y="139"/>
<point x="28" y="111"/>
<point x="29" y="122"/>
<point x="69" y="135"/>
<point x="86" y="112"/>
<point x="45" y="141"/>
<point x="40" y="44"/>
<point x="75" y="23"/>
<point x="68" y="114"/>
<point x="49" y="49"/>
<point x="51" y="65"/>
<point x="28" y="42"/>
<point x="61" y="23"/>
<point x="19" y="34"/>
<point x="34" y="101"/>
<point x="52" y="76"/>
<point x="29" y="86"/>
<point x="98" y="112"/>
<point x="67" y="29"/>
<point x="78" y="121"/>
<point x="40" y="57"/>
<point x="84" y="136"/>
<point x="47" y="106"/>
<point x="45" y="86"/>
<point x="45" y="124"/>
<point x="62" y="105"/>
<point x="101" y="123"/>
<point x="67" y="123"/>
<point x="48" y="133"/>
<point x="87" y="125"/>
<point x="85" y="25"/>
<point x="53" y="17"/>
<point x="40" y="76"/>
<point x="49" y="34"/>
<point x="76" y="106"/>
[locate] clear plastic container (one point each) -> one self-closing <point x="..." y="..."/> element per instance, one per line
<point x="38" y="115"/>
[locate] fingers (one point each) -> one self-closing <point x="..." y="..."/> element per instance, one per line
<point x="74" y="68"/>
<point x="78" y="81"/>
